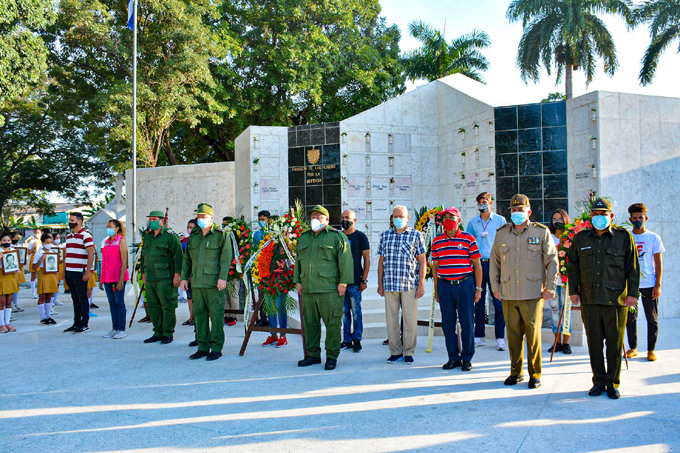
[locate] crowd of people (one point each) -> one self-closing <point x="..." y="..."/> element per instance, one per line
<point x="608" y="269"/>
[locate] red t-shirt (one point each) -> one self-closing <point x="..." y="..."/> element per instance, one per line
<point x="455" y="254"/>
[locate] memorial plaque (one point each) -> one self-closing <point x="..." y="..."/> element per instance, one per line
<point x="270" y="189"/>
<point x="356" y="187"/>
<point x="380" y="187"/>
<point x="402" y="187"/>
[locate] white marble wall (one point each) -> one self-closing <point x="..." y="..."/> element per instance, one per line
<point x="582" y="132"/>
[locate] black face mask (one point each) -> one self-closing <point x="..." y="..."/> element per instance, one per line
<point x="346" y="224"/>
<point x="6" y="245"/>
<point x="559" y="225"/>
<point x="15" y="241"/>
<point x="72" y="225"/>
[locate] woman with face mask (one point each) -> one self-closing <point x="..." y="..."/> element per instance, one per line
<point x="33" y="243"/>
<point x="558" y="220"/>
<point x="8" y="287"/>
<point x="114" y="276"/>
<point x="48" y="283"/>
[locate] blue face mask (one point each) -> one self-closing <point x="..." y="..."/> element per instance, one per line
<point x="637" y="224"/>
<point x="262" y="224"/>
<point x="399" y="223"/>
<point x="518" y="218"/>
<point x="600" y="222"/>
<point x="110" y="232"/>
<point x="203" y="223"/>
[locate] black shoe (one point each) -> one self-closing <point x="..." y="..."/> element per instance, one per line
<point x="356" y="347"/>
<point x="566" y="349"/>
<point x="51" y="321"/>
<point x="330" y="364"/>
<point x="193" y="344"/>
<point x="45" y="322"/>
<point x="82" y="329"/>
<point x="213" y="356"/>
<point x="386" y="342"/>
<point x="513" y="380"/>
<point x="153" y="339"/>
<point x="534" y="383"/>
<point x="613" y="393"/>
<point x="166" y="340"/>
<point x="596" y="390"/>
<point x="558" y="348"/>
<point x="451" y="364"/>
<point x="467" y="366"/>
<point x="70" y="329"/>
<point x="198" y="355"/>
<point x="345" y="345"/>
<point x="307" y="361"/>
<point x="262" y="323"/>
<point x="94" y="306"/>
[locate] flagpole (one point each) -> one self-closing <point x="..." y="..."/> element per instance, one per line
<point x="134" y="123"/>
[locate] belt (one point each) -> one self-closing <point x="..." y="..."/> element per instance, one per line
<point x="456" y="282"/>
<point x="485" y="260"/>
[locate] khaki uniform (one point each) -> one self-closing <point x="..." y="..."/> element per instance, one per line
<point x="603" y="271"/>
<point x="323" y="262"/>
<point x="522" y="265"/>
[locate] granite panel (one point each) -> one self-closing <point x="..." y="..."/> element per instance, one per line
<point x="506" y="142"/>
<point x="505" y="118"/>
<point x="551" y="204"/>
<point x="554" y="138"/>
<point x="556" y="186"/>
<point x="332" y="134"/>
<point x="554" y="114"/>
<point x="528" y="116"/>
<point x="332" y="195"/>
<point x="314" y="195"/>
<point x="531" y="186"/>
<point x="555" y="162"/>
<point x="529" y="140"/>
<point x="292" y="137"/>
<point x="304" y="137"/>
<point x="530" y="164"/>
<point x="296" y="193"/>
<point x="296" y="177"/>
<point x="318" y="134"/>
<point x="537" y="211"/>
<point x="506" y="187"/>
<point x="331" y="154"/>
<point x="296" y="156"/>
<point x="506" y="165"/>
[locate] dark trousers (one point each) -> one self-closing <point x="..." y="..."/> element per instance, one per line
<point x="605" y="323"/>
<point x="480" y="308"/>
<point x="81" y="308"/>
<point x="651" y="307"/>
<point x="457" y="302"/>
<point x="116" y="305"/>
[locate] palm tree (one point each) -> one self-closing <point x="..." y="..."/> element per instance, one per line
<point x="566" y="34"/>
<point x="663" y="17"/>
<point x="437" y="58"/>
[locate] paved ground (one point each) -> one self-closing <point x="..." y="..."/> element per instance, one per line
<point x="65" y="392"/>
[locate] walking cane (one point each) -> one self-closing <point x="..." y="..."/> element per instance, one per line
<point x="141" y="290"/>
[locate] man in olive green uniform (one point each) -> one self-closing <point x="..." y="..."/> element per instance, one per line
<point x="523" y="273"/>
<point x="323" y="269"/>
<point x="604" y="278"/>
<point x="208" y="257"/>
<point x="161" y="264"/>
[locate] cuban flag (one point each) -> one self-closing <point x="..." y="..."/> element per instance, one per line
<point x="131" y="14"/>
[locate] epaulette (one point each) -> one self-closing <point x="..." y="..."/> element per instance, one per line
<point x="503" y="226"/>
<point x="539" y="225"/>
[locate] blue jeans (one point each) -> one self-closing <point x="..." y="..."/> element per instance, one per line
<point x="281" y="318"/>
<point x="352" y="309"/>
<point x="116" y="305"/>
<point x="556" y="305"/>
<point x="457" y="301"/>
<point x="480" y="308"/>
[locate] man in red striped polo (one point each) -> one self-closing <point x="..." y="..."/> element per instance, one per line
<point x="457" y="273"/>
<point x="77" y="265"/>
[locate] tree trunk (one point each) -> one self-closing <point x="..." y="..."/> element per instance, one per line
<point x="568" y="82"/>
<point x="172" y="160"/>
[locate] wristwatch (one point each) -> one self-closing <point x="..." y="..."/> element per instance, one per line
<point x="364" y="281"/>
<point x="478" y="288"/>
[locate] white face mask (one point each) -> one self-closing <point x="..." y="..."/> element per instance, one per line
<point x="316" y="224"/>
<point x="48" y="246"/>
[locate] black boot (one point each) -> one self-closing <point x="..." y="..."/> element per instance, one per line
<point x="309" y="361"/>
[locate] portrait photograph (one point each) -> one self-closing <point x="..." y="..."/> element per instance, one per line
<point x="51" y="263"/>
<point x="22" y="255"/>
<point x="10" y="262"/>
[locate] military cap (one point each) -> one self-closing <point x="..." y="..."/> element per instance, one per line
<point x="519" y="201"/>
<point x="601" y="204"/>
<point x="204" y="208"/>
<point x="320" y="209"/>
<point x="159" y="214"/>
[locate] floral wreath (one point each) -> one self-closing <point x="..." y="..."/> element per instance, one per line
<point x="422" y="223"/>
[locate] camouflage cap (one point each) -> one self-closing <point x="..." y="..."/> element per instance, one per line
<point x="519" y="201"/>
<point x="320" y="209"/>
<point x="159" y="214"/>
<point x="601" y="204"/>
<point x="204" y="208"/>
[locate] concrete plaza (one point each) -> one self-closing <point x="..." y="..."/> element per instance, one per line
<point x="66" y="393"/>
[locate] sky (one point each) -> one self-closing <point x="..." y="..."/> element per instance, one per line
<point x="503" y="77"/>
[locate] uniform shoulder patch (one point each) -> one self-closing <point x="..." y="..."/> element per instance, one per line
<point x="503" y="226"/>
<point x="540" y="225"/>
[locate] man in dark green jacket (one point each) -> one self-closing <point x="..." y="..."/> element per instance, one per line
<point x="161" y="264"/>
<point x="323" y="269"/>
<point x="207" y="260"/>
<point x="604" y="277"/>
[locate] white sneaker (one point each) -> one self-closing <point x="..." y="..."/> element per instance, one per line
<point x="111" y="334"/>
<point x="500" y="344"/>
<point x="54" y="312"/>
<point x="120" y="335"/>
<point x="35" y="296"/>
<point x="480" y="341"/>
<point x="56" y="302"/>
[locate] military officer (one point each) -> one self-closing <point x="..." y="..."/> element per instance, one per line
<point x="161" y="264"/>
<point x="604" y="278"/>
<point x="207" y="260"/>
<point x="323" y="269"/>
<point x="523" y="272"/>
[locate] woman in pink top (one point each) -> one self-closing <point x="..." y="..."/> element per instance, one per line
<point x="114" y="276"/>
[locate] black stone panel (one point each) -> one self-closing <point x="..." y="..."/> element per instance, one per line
<point x="503" y="208"/>
<point x="556" y="186"/>
<point x="530" y="164"/>
<point x="318" y="132"/>
<point x="505" y="118"/>
<point x="528" y="116"/>
<point x="506" y="188"/>
<point x="304" y="137"/>
<point x="292" y="137"/>
<point x="296" y="193"/>
<point x="529" y="140"/>
<point x="550" y="204"/>
<point x="506" y="165"/>
<point x="506" y="142"/>
<point x="331" y="173"/>
<point x="296" y="157"/>
<point x="296" y="176"/>
<point x="555" y="163"/>
<point x="332" y="195"/>
<point x="314" y="196"/>
<point x="332" y="135"/>
<point x="331" y="154"/>
<point x="335" y="213"/>
<point x="531" y="186"/>
<point x="554" y="114"/>
<point x="537" y="211"/>
<point x="554" y="138"/>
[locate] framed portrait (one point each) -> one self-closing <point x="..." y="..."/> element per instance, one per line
<point x="62" y="254"/>
<point x="22" y="254"/>
<point x="94" y="265"/>
<point x="51" y="263"/>
<point x="10" y="262"/>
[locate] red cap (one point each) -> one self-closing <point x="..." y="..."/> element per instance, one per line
<point x="451" y="210"/>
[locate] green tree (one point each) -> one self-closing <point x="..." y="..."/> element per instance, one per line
<point x="566" y="34"/>
<point x="554" y="97"/>
<point x="437" y="58"/>
<point x="663" y="17"/>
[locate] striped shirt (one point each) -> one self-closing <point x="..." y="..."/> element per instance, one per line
<point x="455" y="254"/>
<point x="76" y="250"/>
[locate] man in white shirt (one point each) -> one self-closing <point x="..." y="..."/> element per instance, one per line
<point x="650" y="250"/>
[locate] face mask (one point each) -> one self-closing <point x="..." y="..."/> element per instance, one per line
<point x="346" y="224"/>
<point x="262" y="224"/>
<point x="204" y="223"/>
<point x="188" y="230"/>
<point x="48" y="246"/>
<point x="637" y="224"/>
<point x="15" y="241"/>
<point x="57" y="241"/>
<point x="559" y="225"/>
<point x="154" y="224"/>
<point x="6" y="245"/>
<point x="110" y="232"/>
<point x="483" y="207"/>
<point x="399" y="223"/>
<point x="600" y="222"/>
<point x="450" y="225"/>
<point x="518" y="218"/>
<point x="316" y="224"/>
<point x="72" y="225"/>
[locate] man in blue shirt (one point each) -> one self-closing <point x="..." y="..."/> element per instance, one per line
<point x="483" y="227"/>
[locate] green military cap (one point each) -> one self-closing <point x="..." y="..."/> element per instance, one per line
<point x="160" y="214"/>
<point x="519" y="201"/>
<point x="601" y="204"/>
<point x="320" y="209"/>
<point x="204" y="208"/>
